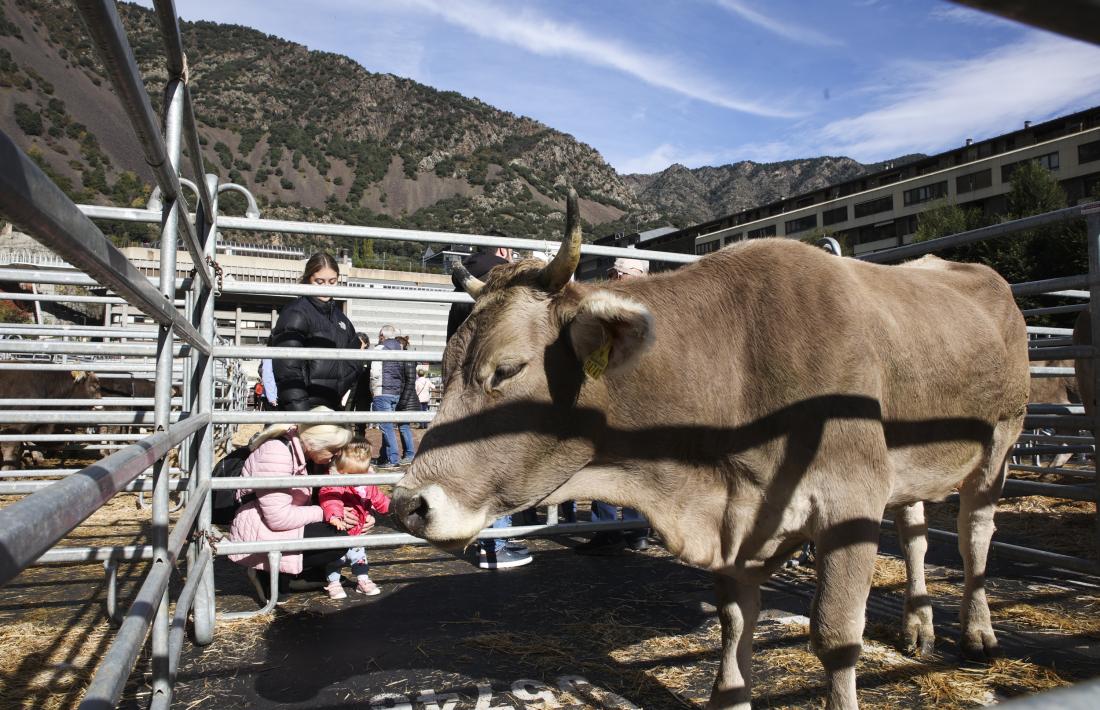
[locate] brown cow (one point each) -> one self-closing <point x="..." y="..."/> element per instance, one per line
<point x="1056" y="390"/>
<point x="40" y="385"/>
<point x="846" y="389"/>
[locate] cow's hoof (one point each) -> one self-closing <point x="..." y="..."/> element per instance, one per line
<point x="919" y="641"/>
<point x="980" y="647"/>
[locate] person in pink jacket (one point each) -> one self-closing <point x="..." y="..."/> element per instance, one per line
<point x="336" y="500"/>
<point x="289" y="513"/>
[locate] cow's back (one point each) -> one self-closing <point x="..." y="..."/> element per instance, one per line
<point x="936" y="350"/>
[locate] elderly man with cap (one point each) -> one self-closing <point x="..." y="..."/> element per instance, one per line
<point x="610" y="543"/>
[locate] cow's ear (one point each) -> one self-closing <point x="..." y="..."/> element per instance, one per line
<point x="609" y="332"/>
<point x="78" y="375"/>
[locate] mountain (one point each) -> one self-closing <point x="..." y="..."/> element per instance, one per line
<point x="315" y="136"/>
<point x="690" y="196"/>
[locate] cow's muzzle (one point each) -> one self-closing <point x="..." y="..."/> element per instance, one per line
<point x="410" y="510"/>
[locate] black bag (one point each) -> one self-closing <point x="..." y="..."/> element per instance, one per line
<point x="224" y="503"/>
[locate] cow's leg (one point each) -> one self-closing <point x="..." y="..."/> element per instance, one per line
<point x="845" y="564"/>
<point x="918" y="636"/>
<point x="977" y="502"/>
<point x="738" y="607"/>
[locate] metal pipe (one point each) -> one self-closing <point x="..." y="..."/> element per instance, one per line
<point x="82" y="555"/>
<point x="125" y="214"/>
<point x="37" y="347"/>
<point x="1056" y="421"/>
<point x="85" y="365"/>
<point x="33" y="525"/>
<point x="273" y="559"/>
<point x="204" y="305"/>
<point x="248" y="417"/>
<point x="1015" y="487"/>
<point x="1053" y="310"/>
<point x="103" y="402"/>
<point x="1092" y="237"/>
<point x="8" y="416"/>
<point x="25" y="487"/>
<point x="1067" y="352"/>
<point x="1047" y="286"/>
<point x="1071" y="472"/>
<point x="29" y="197"/>
<point x="1016" y="552"/>
<point x="103" y="24"/>
<point x="272" y="482"/>
<point x="426" y="295"/>
<point x="183" y="608"/>
<point x="1052" y="372"/>
<point x="974" y="235"/>
<point x="60" y="298"/>
<point x="352" y="354"/>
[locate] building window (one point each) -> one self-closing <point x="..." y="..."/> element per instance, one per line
<point x="1088" y="152"/>
<point x="804" y="202"/>
<point x="1049" y="161"/>
<point x="792" y="226"/>
<point x="974" y="181"/>
<point x="733" y="238"/>
<point x="834" y="216"/>
<point x="883" y="204"/>
<point x="925" y="193"/>
<point x="768" y="231"/>
<point x="877" y="232"/>
<point x="708" y="247"/>
<point x="889" y="179"/>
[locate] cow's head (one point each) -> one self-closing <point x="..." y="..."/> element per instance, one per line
<point x="525" y="390"/>
<point x="85" y="385"/>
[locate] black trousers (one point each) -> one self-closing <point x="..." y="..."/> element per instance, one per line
<point x="317" y="559"/>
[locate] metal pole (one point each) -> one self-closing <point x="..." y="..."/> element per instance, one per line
<point x="1092" y="228"/>
<point x="162" y="411"/>
<point x="205" y="307"/>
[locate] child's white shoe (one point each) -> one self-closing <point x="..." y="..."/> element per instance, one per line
<point x="336" y="590"/>
<point x="365" y="586"/>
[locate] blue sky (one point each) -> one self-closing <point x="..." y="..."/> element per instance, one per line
<point x="649" y="83"/>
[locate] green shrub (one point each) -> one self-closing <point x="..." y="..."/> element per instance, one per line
<point x="28" y="120"/>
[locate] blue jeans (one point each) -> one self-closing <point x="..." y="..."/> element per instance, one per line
<point x="407" y="442"/>
<point x="496" y="544"/>
<point x="356" y="558"/>
<point x="388" y="452"/>
<point x="603" y="511"/>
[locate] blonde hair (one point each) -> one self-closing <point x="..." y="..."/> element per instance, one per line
<point x="354" y="458"/>
<point x="314" y="437"/>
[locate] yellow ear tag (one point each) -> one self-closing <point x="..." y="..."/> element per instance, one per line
<point x="597" y="361"/>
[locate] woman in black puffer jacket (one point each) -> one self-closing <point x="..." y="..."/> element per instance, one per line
<point x="314" y="322"/>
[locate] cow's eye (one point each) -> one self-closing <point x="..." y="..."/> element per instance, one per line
<point x="505" y="371"/>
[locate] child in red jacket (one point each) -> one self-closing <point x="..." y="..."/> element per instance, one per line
<point x="354" y="458"/>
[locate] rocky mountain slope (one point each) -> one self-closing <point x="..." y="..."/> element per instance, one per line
<point x="316" y="136"/>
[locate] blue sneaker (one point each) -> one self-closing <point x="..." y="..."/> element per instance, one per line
<point x="502" y="558"/>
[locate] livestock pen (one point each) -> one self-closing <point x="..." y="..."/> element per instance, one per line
<point x="636" y="631"/>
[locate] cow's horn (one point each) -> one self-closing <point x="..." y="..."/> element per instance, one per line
<point x="462" y="280"/>
<point x="558" y="272"/>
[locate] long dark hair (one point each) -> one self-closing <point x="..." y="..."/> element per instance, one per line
<point x="320" y="260"/>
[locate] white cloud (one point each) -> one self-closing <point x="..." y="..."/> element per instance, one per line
<point x="787" y="30"/>
<point x="969" y="16"/>
<point x="942" y="103"/>
<point x="518" y="26"/>
<point x="662" y="157"/>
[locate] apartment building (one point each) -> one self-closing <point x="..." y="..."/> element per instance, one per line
<point x="879" y="211"/>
